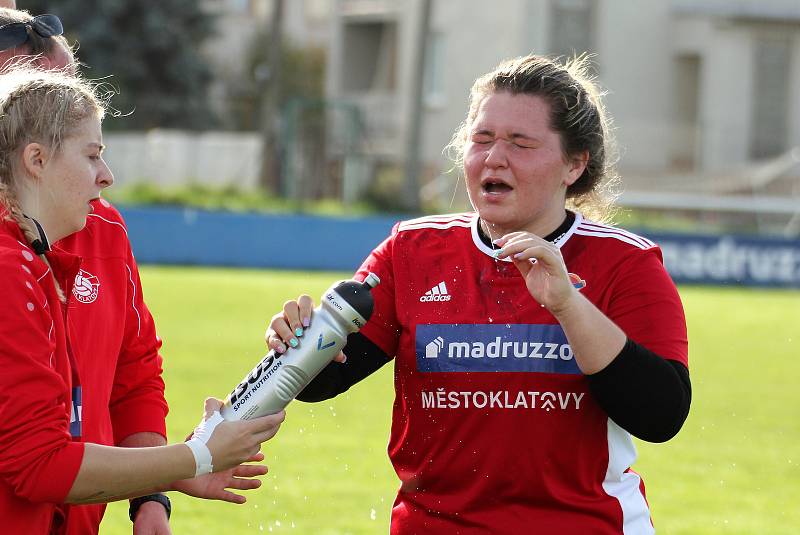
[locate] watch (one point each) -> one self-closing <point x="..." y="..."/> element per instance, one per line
<point x="137" y="502"/>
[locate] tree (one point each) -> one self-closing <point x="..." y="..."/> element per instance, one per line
<point x="149" y="50"/>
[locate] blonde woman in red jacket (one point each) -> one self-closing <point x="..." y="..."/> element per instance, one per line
<point x="51" y="169"/>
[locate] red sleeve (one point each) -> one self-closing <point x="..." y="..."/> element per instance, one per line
<point x="38" y="458"/>
<point x="382" y="327"/>
<point x="645" y="304"/>
<point x="137" y="401"/>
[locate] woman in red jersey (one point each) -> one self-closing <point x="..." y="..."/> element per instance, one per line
<point x="531" y="343"/>
<point x="51" y="169"/>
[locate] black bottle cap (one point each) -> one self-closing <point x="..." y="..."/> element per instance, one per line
<point x="357" y="294"/>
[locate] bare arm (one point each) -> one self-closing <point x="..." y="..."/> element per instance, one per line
<point x="109" y="474"/>
<point x="594" y="338"/>
<point x="8" y="3"/>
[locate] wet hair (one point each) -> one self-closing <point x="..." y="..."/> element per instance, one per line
<point x="577" y="114"/>
<point x="36" y="44"/>
<point x="38" y="106"/>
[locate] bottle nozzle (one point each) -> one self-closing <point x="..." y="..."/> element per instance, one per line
<point x="372" y="280"/>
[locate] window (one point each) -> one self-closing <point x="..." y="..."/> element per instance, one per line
<point x="686" y="138"/>
<point x="772" y="57"/>
<point x="370" y="56"/>
<point x="434" y="70"/>
<point x="571" y="27"/>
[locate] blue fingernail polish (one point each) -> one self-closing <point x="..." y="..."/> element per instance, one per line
<point x="293" y="342"/>
<point x="306" y="321"/>
<point x="298" y="331"/>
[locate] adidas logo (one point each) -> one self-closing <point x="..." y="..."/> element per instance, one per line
<point x="437" y="293"/>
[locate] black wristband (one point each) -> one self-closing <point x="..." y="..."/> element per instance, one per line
<point x="137" y="502"/>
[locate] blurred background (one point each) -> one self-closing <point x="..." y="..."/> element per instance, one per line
<point x="345" y="105"/>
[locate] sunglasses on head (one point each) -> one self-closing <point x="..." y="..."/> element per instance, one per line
<point x="15" y="34"/>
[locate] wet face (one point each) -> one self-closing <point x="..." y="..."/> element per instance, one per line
<point x="71" y="178"/>
<point x="516" y="172"/>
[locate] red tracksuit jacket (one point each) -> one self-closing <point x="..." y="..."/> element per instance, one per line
<point x="115" y="344"/>
<point x="114" y="348"/>
<point x="38" y="457"/>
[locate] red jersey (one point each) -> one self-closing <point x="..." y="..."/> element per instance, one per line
<point x="494" y="429"/>
<point x="39" y="459"/>
<point x="115" y="344"/>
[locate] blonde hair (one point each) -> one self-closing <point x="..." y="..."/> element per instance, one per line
<point x="577" y="114"/>
<point x="38" y="107"/>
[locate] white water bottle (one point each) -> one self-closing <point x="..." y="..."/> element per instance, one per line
<point x="278" y="378"/>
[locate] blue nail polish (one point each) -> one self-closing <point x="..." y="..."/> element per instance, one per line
<point x="293" y="342"/>
<point x="298" y="331"/>
<point x="306" y="321"/>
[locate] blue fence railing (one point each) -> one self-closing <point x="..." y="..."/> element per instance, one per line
<point x="171" y="235"/>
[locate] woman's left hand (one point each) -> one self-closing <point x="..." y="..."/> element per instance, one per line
<point x="540" y="263"/>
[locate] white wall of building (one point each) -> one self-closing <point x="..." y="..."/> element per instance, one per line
<point x="171" y="158"/>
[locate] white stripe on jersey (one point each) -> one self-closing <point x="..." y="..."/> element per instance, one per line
<point x="120" y="225"/>
<point x="625" y="486"/>
<point x="440" y="222"/>
<point x="133" y="301"/>
<point x="604" y="231"/>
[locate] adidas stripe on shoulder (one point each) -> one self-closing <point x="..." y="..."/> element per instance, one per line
<point x="437" y="222"/>
<point x="597" y="230"/>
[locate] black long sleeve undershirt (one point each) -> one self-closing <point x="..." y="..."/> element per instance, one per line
<point x="645" y="394"/>
<point x="363" y="359"/>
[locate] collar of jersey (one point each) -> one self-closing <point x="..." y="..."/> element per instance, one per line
<point x="488" y="251"/>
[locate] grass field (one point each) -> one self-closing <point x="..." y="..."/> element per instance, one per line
<point x="733" y="469"/>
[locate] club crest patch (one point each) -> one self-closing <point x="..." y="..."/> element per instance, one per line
<point x="86" y="287"/>
<point x="576" y="281"/>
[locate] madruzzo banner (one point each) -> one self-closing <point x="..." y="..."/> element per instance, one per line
<point x="173" y="235"/>
<point x="748" y="261"/>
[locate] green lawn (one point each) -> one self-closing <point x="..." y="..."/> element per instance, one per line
<point x="734" y="469"/>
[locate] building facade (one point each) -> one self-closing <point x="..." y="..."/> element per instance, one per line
<point x="696" y="87"/>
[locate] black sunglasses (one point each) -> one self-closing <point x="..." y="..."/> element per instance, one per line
<point x="15" y="34"/>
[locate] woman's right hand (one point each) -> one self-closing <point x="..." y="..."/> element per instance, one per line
<point x="235" y="442"/>
<point x="288" y="326"/>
